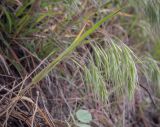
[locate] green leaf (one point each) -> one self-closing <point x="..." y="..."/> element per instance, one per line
<point x="22" y="8"/>
<point x="82" y="125"/>
<point x="9" y="20"/>
<point x="84" y="116"/>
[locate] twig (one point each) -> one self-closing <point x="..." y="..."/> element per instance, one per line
<point x="150" y="96"/>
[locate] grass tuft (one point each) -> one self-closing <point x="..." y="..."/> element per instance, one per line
<point x="113" y="66"/>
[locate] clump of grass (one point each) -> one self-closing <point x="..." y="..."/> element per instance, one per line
<point x="113" y="67"/>
<point x="95" y="82"/>
<point x="148" y="11"/>
<point x="19" y="21"/>
<point x="20" y="18"/>
<point x="71" y="48"/>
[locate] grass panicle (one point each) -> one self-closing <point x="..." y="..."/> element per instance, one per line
<point x="116" y="65"/>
